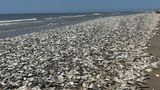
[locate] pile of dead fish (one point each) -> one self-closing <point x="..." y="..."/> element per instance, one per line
<point x="102" y="54"/>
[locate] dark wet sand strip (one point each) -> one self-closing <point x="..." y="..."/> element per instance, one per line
<point x="154" y="49"/>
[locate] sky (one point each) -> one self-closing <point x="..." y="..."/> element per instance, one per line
<point x="66" y="6"/>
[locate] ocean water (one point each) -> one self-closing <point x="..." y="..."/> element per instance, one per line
<point x="18" y="24"/>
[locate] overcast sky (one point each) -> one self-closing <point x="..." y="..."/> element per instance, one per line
<point x="53" y="6"/>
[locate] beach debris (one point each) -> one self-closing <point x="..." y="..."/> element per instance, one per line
<point x="102" y="54"/>
<point x="149" y="70"/>
<point x="157" y="75"/>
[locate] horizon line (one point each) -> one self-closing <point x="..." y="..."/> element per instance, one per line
<point x="49" y="12"/>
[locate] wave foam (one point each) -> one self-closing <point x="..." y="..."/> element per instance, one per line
<point x="9" y="22"/>
<point x="18" y="20"/>
<point x="61" y="17"/>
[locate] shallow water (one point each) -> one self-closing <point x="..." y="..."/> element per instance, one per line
<point x="18" y="24"/>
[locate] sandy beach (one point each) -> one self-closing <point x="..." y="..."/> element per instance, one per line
<point x="107" y="53"/>
<point x="154" y="49"/>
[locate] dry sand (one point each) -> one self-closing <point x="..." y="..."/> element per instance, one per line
<point x="154" y="49"/>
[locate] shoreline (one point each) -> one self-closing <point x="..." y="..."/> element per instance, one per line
<point x="103" y="53"/>
<point x="20" y="28"/>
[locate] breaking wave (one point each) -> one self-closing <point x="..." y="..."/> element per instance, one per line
<point x="9" y="22"/>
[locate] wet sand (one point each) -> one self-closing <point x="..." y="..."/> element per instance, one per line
<point x="154" y="48"/>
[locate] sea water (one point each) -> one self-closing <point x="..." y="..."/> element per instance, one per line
<point x="18" y="24"/>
